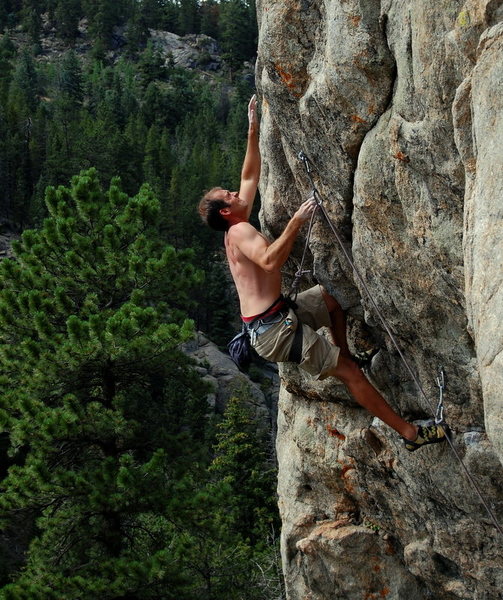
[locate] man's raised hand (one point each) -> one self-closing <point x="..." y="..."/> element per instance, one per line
<point x="306" y="209"/>
<point x="252" y="113"/>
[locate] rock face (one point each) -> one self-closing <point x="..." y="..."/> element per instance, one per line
<point x="189" y="51"/>
<point x="398" y="105"/>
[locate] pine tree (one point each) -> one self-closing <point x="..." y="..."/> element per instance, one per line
<point x="209" y="17"/>
<point x="137" y="29"/>
<point x="25" y="86"/>
<point x="228" y="514"/>
<point x="3" y="17"/>
<point x="101" y="408"/>
<point x="10" y="13"/>
<point x="66" y="16"/>
<point x="32" y="21"/>
<point x="151" y="64"/>
<point x="188" y="17"/>
<point x="237" y="31"/>
<point x="217" y="296"/>
<point x="152" y="12"/>
<point x="70" y="81"/>
<point x="243" y="461"/>
<point x="103" y="15"/>
<point x="170" y="11"/>
<point x="22" y="104"/>
<point x="224" y="527"/>
<point x="7" y="53"/>
<point x="151" y="163"/>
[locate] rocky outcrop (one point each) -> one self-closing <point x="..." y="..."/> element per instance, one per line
<point x="192" y="51"/>
<point x="6" y="239"/>
<point x="259" y="387"/>
<point x="189" y="51"/>
<point x="398" y="106"/>
<point x="479" y="100"/>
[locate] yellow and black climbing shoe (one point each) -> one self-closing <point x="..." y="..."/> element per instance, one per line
<point x="428" y="433"/>
<point x="364" y="358"/>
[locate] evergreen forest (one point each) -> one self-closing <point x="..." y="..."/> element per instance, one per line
<point x="118" y="480"/>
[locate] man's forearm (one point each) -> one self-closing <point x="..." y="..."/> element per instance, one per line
<point x="251" y="163"/>
<point x="250" y="171"/>
<point x="278" y="252"/>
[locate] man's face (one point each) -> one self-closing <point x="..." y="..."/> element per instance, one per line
<point x="236" y="204"/>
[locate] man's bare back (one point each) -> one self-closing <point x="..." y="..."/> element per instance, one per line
<point x="256" y="263"/>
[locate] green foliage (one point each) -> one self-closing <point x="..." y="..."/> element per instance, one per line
<point x="243" y="461"/>
<point x="7" y="52"/>
<point x="31" y="20"/>
<point x="237" y="30"/>
<point x="66" y="17"/>
<point x="25" y="86"/>
<point x="137" y="28"/>
<point x="180" y="134"/>
<point x="151" y="64"/>
<point x="233" y="23"/>
<point x="225" y="547"/>
<point x="103" y="15"/>
<point x="70" y="82"/>
<point x="59" y="118"/>
<point x="104" y="433"/>
<point x="188" y="16"/>
<point x="210" y="11"/>
<point x="99" y="404"/>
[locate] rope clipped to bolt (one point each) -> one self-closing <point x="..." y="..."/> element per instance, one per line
<point x="294" y="289"/>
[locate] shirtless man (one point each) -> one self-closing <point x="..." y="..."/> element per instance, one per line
<point x="255" y="265"/>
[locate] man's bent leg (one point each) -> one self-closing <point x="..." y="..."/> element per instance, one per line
<point x="367" y="396"/>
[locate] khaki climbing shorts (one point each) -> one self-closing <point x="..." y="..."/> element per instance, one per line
<point x="318" y="354"/>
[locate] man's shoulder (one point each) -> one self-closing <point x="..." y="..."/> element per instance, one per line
<point x="240" y="230"/>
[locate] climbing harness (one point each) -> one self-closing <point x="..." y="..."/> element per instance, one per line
<point x="241" y="345"/>
<point x="439" y="413"/>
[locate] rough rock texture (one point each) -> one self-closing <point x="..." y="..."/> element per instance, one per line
<point x="189" y="51"/>
<point x="226" y="380"/>
<point x="399" y="107"/>
<point x="483" y="221"/>
<point x="6" y="239"/>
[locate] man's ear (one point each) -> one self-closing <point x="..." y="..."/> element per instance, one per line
<point x="225" y="211"/>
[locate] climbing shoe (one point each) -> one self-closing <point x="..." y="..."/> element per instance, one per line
<point x="428" y="433"/>
<point x="364" y="359"/>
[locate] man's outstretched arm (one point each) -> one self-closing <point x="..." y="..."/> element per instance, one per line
<point x="250" y="172"/>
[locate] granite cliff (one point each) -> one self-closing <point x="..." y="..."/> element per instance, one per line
<point x="399" y="107"/>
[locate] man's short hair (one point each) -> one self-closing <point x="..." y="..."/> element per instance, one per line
<point x="209" y="209"/>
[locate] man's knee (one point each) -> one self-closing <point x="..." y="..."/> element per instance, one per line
<point x="347" y="370"/>
<point x="331" y="303"/>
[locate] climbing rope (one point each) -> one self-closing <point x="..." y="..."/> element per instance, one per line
<point x="294" y="290"/>
<point x="439" y="413"/>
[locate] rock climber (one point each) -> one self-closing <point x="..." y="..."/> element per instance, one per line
<point x="255" y="264"/>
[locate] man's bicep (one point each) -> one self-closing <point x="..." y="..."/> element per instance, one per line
<point x="250" y="243"/>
